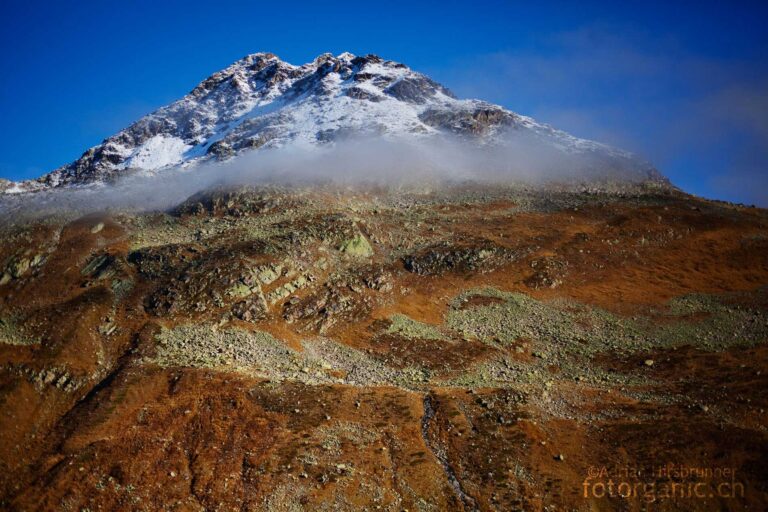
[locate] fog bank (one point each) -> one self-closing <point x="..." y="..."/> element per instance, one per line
<point x="380" y="162"/>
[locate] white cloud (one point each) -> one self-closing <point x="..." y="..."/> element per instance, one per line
<point x="647" y="94"/>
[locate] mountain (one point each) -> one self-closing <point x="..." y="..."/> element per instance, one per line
<point x="187" y="342"/>
<point x="261" y="101"/>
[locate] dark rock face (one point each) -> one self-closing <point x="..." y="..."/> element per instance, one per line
<point x="359" y="62"/>
<point x="331" y="228"/>
<point x="252" y="309"/>
<point x="467" y="257"/>
<point x="547" y="273"/>
<point x="100" y="267"/>
<point x="236" y="202"/>
<point x="220" y="150"/>
<point x="203" y="286"/>
<point x="347" y="297"/>
<point x="362" y="94"/>
<point x="418" y="89"/>
<point x="153" y="262"/>
<point x="477" y="122"/>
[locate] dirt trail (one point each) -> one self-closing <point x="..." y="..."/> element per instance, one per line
<point x="433" y="443"/>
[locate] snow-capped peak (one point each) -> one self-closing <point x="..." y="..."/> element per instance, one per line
<point x="261" y="101"/>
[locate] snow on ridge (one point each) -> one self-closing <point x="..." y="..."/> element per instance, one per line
<point x="262" y="101"/>
<point x="157" y="152"/>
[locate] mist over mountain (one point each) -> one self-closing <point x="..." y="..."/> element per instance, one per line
<point x="340" y="102"/>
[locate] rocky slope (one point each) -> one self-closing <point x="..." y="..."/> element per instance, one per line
<point x="261" y="101"/>
<point x="324" y="349"/>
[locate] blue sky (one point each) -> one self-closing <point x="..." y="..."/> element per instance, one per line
<point x="683" y="83"/>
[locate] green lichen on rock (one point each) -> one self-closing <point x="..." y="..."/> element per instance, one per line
<point x="266" y="274"/>
<point x="409" y="328"/>
<point x="239" y="290"/>
<point x="204" y="346"/>
<point x="563" y="326"/>
<point x="19" y="267"/>
<point x="12" y="334"/>
<point x="258" y="353"/>
<point x="358" y="246"/>
<point x="121" y="288"/>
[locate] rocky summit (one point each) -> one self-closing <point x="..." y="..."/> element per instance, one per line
<point x="262" y="102"/>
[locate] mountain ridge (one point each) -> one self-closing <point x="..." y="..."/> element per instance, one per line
<point x="261" y="101"/>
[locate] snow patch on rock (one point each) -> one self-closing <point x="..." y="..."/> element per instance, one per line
<point x="157" y="152"/>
